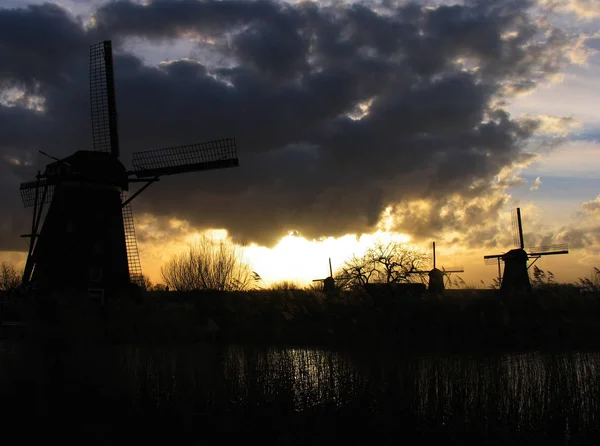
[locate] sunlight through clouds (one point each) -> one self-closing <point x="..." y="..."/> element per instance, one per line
<point x="300" y="260"/>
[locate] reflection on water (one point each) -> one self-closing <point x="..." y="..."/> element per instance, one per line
<point x="524" y="392"/>
<point x="520" y="391"/>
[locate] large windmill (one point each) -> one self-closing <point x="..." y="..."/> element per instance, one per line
<point x="437" y="276"/>
<point x="516" y="261"/>
<point x="87" y="239"/>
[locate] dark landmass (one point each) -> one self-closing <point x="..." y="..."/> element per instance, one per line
<point x="554" y="317"/>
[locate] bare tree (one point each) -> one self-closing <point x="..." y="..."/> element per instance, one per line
<point x="356" y="272"/>
<point x="395" y="262"/>
<point x="9" y="277"/>
<point x="145" y="283"/>
<point x="209" y="265"/>
<point x="390" y="262"/>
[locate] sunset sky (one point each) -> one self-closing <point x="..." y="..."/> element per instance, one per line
<point x="413" y="121"/>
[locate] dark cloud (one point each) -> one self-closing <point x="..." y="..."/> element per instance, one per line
<point x="37" y="44"/>
<point x="432" y="79"/>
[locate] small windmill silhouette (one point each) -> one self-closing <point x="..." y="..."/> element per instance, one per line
<point x="437" y="277"/>
<point x="516" y="267"/>
<point x="328" y="282"/>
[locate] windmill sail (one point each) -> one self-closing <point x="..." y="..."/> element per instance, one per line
<point x="102" y="98"/>
<point x="517" y="228"/>
<point x="29" y="196"/>
<point x="133" y="256"/>
<point x="189" y="158"/>
<point x="561" y="248"/>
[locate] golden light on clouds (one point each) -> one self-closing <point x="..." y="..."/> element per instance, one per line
<point x="16" y="161"/>
<point x="361" y="110"/>
<point x="587" y="9"/>
<point x="13" y="97"/>
<point x="555" y="126"/>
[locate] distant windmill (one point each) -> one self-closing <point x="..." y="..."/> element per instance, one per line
<point x="437" y="276"/>
<point x="87" y="239"/>
<point x="328" y="282"/>
<point x="516" y="274"/>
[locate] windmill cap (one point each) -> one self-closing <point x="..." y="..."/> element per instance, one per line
<point x="86" y="165"/>
<point x="515" y="254"/>
<point x="436" y="272"/>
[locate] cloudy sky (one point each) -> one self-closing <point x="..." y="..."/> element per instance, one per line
<point x="416" y="120"/>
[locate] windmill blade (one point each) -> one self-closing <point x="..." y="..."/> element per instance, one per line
<point x="133" y="256"/>
<point x="515" y="227"/>
<point x="28" y="195"/>
<point x="453" y="269"/>
<point x="493" y="259"/>
<point x="548" y="253"/>
<point x="209" y="155"/>
<point x="102" y="99"/>
<point x="548" y="248"/>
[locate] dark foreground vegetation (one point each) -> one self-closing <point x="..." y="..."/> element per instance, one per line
<point x="554" y="317"/>
<point x="392" y="366"/>
<point x="208" y="394"/>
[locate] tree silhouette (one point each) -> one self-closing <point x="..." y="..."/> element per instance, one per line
<point x="384" y="262"/>
<point x="9" y="277"/>
<point x="208" y="265"/>
<point x="145" y="283"/>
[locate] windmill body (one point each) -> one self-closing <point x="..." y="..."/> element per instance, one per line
<point x="87" y="240"/>
<point x="436" y="281"/>
<point x="82" y="241"/>
<point x="328" y="282"/>
<point x="516" y="276"/>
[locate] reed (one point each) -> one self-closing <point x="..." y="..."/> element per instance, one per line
<point x="283" y="395"/>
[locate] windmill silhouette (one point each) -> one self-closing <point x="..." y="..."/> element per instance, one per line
<point x="87" y="239"/>
<point x="437" y="282"/>
<point x="516" y="274"/>
<point x="328" y="282"/>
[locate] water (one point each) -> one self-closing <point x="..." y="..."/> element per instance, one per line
<point x="509" y="397"/>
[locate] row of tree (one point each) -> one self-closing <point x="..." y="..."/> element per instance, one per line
<point x="220" y="265"/>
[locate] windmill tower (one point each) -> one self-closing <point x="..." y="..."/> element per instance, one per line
<point x="87" y="239"/>
<point x="437" y="277"/>
<point x="516" y="268"/>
